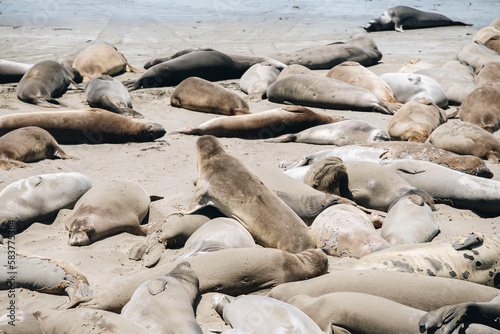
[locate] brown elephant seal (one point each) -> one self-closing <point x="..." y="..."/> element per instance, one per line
<point x="466" y="138"/>
<point x="261" y="314"/>
<point x="489" y="72"/>
<point x="340" y="232"/>
<point x="110" y="94"/>
<point x="107" y="209"/>
<point x="450" y="186"/>
<point x="91" y="126"/>
<point x="44" y="82"/>
<point x="356" y="74"/>
<point x="348" y="132"/>
<point x="410" y="18"/>
<point x="210" y="65"/>
<point x="12" y="71"/>
<point x="262" y="125"/>
<point x="476" y="54"/>
<point x="293" y="69"/>
<point x="165" y="304"/>
<point x="39" y="197"/>
<point x="101" y="58"/>
<point x="410" y="86"/>
<point x="26" y="145"/>
<point x="257" y="79"/>
<point x="472" y="257"/>
<point x="416" y="120"/>
<point x="318" y="91"/>
<point x="409" y="221"/>
<point x="270" y="221"/>
<point x="42" y="274"/>
<point x="482" y="107"/>
<point x="230" y="271"/>
<point x="201" y="95"/>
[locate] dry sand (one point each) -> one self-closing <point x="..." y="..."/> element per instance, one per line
<point x="33" y="32"/>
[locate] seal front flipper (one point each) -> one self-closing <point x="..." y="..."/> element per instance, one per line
<point x="156" y="286"/>
<point x="467" y="241"/>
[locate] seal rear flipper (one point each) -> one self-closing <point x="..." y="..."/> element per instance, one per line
<point x="132" y="84"/>
<point x="333" y="329"/>
<point x="9" y="164"/>
<point x="493" y="157"/>
<point x="59" y="153"/>
<point x="287" y="138"/>
<point x="46" y="102"/>
<point x="467" y="241"/>
<point x="383" y="108"/>
<point x="191" y="130"/>
<point x="126" y="111"/>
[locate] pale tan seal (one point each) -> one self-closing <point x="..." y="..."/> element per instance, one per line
<point x="476" y="54"/>
<point x="202" y="95"/>
<point x="257" y="79"/>
<point x="482" y="107"/>
<point x="415" y="64"/>
<point x="293" y="69"/>
<point x="26" y="145"/>
<point x="490" y="37"/>
<point x="489" y="72"/>
<point x="101" y="58"/>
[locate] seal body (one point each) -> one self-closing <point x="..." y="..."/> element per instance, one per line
<point x="476" y="55"/>
<point x="293" y="69"/>
<point x="257" y="79"/>
<point x="26" y="145"/>
<point x="110" y="94"/>
<point x="317" y="91"/>
<point x="107" y="209"/>
<point x="12" y="71"/>
<point x="201" y="95"/>
<point x="488" y="73"/>
<point x="482" y="107"/>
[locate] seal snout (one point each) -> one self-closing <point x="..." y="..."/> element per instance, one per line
<point x="79" y="238"/>
<point x="155" y="130"/>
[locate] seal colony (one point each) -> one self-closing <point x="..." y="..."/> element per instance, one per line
<point x="284" y="236"/>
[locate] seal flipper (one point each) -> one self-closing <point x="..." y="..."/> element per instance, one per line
<point x="467" y="241"/>
<point x="157" y="285"/>
<point x="287" y="138"/>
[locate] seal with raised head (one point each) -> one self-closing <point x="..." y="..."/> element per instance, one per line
<point x="110" y="94"/>
<point x="12" y="71"/>
<point x="202" y="95"/>
<point x="26" y="145"/>
<point x="165" y="304"/>
<point x="318" y="91"/>
<point x="261" y="125"/>
<point x="91" y="126"/>
<point x="257" y="79"/>
<point x="482" y="107"/>
<point x="410" y="18"/>
<point x="107" y="209"/>
<point x="44" y="82"/>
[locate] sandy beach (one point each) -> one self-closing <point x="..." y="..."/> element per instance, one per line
<point x="141" y="30"/>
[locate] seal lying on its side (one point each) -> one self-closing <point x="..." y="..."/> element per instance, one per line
<point x="11" y="71"/>
<point x="482" y="107"/>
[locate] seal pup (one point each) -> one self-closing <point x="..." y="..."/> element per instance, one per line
<point x="261" y="125"/>
<point x="12" y="71"/>
<point x="482" y="107"/>
<point x="39" y="197"/>
<point x="257" y="79"/>
<point x="466" y="138"/>
<point x="348" y="132"/>
<point x="318" y="91"/>
<point x="91" y="126"/>
<point x="261" y="314"/>
<point x="110" y="94"/>
<point x="44" y="82"/>
<point x="107" y="209"/>
<point x="416" y="120"/>
<point x="165" y="304"/>
<point x="410" y="18"/>
<point x="101" y="58"/>
<point x="270" y="221"/>
<point x="26" y="145"/>
<point x="201" y="95"/>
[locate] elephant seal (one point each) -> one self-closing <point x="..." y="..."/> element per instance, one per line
<point x="201" y="95"/>
<point x="466" y="138"/>
<point x="340" y="232"/>
<point x="472" y="257"/>
<point x="455" y="86"/>
<point x="408" y="86"/>
<point x="44" y="82"/>
<point x="257" y="79"/>
<point x="270" y="221"/>
<point x="482" y="107"/>
<point x="218" y="234"/>
<point x="476" y="54"/>
<point x="91" y="126"/>
<point x="165" y="304"/>
<point x="485" y="34"/>
<point x="230" y="271"/>
<point x="107" y="209"/>
<point x="210" y="65"/>
<point x="450" y="186"/>
<point x="42" y="274"/>
<point x="356" y="74"/>
<point x="416" y="120"/>
<point x="101" y="58"/>
<point x="261" y="125"/>
<point x="26" y="145"/>
<point x="410" y="18"/>
<point x="348" y="132"/>
<point x="110" y="94"/>
<point x="12" y="71"/>
<point x="409" y="221"/>
<point x="489" y="72"/>
<point x="261" y="314"/>
<point x="459" y="67"/>
<point x="19" y="323"/>
<point x="293" y="69"/>
<point x="39" y="197"/>
<point x="317" y="91"/>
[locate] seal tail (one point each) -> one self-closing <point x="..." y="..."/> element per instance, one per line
<point x="287" y="138"/>
<point x="189" y="131"/>
<point x="383" y="108"/>
<point x="130" y="112"/>
<point x="46" y="102"/>
<point x="132" y="84"/>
